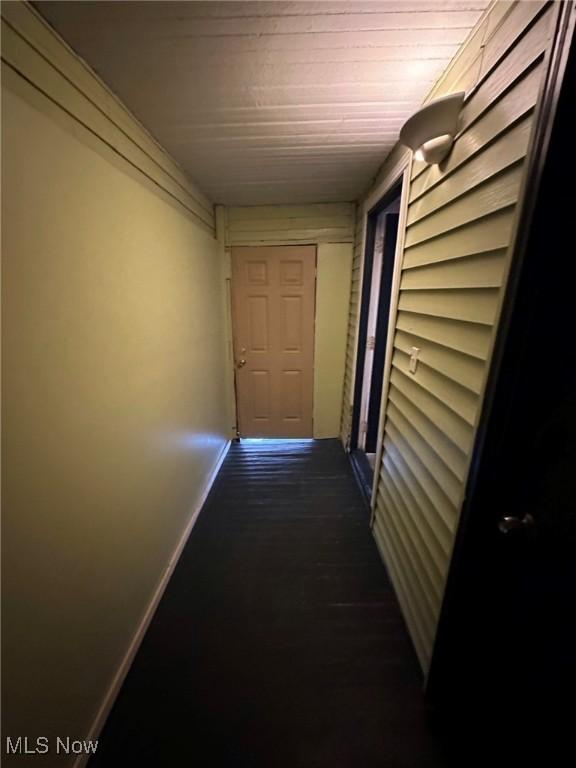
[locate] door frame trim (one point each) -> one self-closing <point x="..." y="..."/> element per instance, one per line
<point x="376" y="201"/>
<point x="404" y="180"/>
<point x="369" y="227"/>
<point x="230" y="301"/>
<point x="369" y="215"/>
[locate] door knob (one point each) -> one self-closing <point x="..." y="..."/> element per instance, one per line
<point x="241" y="363"/>
<point x="508" y="524"/>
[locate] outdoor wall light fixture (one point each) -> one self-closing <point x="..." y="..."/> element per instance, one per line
<point x="430" y="131"/>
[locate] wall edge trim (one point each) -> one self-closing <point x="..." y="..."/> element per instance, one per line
<point x="116" y="127"/>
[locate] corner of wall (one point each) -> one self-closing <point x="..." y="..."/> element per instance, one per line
<point x="224" y="250"/>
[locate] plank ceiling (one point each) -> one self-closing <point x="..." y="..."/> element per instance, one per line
<point x="270" y="102"/>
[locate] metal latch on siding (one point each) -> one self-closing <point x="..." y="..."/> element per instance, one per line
<point x="413" y="352"/>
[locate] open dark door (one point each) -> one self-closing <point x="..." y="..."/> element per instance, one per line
<point x="379" y="260"/>
<point x="503" y="674"/>
<point x="385" y="297"/>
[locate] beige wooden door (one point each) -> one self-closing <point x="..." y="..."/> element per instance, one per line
<point x="273" y="291"/>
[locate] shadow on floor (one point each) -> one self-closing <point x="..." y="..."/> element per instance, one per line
<point x="279" y="642"/>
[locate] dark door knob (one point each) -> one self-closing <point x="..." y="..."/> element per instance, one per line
<point x="509" y="524"/>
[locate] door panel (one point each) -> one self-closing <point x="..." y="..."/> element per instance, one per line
<point x="506" y="641"/>
<point x="273" y="290"/>
<point x="258" y="310"/>
<point x="259" y="384"/>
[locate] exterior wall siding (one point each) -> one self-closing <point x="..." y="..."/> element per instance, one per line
<point x="353" y="315"/>
<point x="457" y="243"/>
<point x="290" y="224"/>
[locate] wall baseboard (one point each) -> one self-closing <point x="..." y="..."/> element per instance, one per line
<point x="126" y="662"/>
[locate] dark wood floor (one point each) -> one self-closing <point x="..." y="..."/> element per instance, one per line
<point x="279" y="642"/>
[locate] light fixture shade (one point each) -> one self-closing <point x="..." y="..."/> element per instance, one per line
<point x="430" y="131"/>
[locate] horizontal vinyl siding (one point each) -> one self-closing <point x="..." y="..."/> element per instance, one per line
<point x="354" y="313"/>
<point x="290" y="224"/>
<point x="459" y="227"/>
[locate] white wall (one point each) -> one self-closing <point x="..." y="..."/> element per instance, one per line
<point x="113" y="419"/>
<point x="334" y="265"/>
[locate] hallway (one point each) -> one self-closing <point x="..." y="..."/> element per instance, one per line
<point x="310" y="220"/>
<point x="279" y="641"/>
